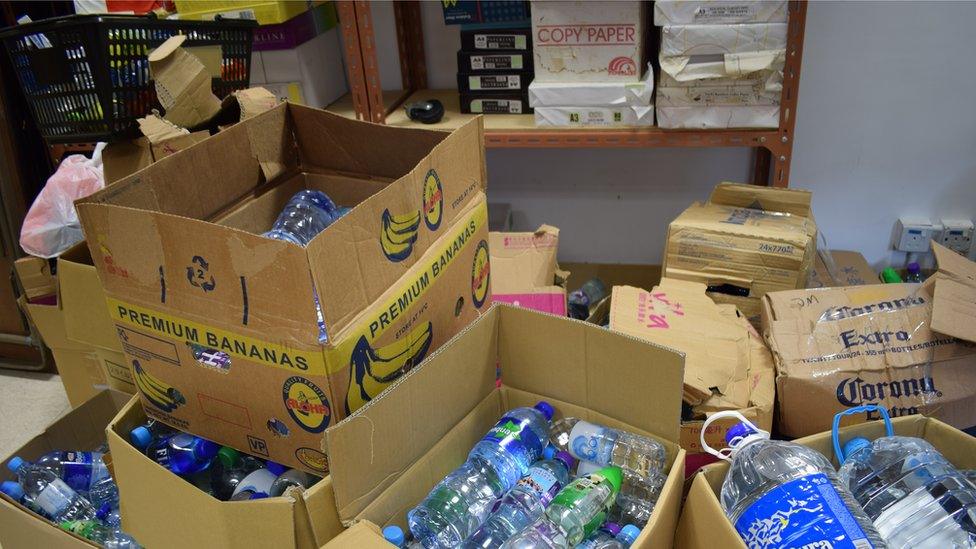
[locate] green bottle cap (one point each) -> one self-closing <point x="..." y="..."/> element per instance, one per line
<point x="614" y="476"/>
<point x="228" y="456"/>
<point x="890" y="276"/>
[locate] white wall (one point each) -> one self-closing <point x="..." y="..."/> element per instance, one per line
<point x="886" y="126"/>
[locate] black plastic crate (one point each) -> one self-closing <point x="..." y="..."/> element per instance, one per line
<point x="86" y="77"/>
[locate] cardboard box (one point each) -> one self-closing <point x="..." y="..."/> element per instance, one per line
<point x="717" y="12"/>
<point x="727" y="365"/>
<point x="153" y="499"/>
<point x="461" y="12"/>
<point x="383" y="464"/>
<point x="703" y="524"/>
<point x="616" y="116"/>
<point x="588" y="41"/>
<point x="123" y="158"/>
<point x="846" y="268"/>
<point x="265" y="13"/>
<point x="86" y="318"/>
<point x="219" y="323"/>
<point x="80" y="429"/>
<point x="745" y="241"/>
<point x="580" y="94"/>
<point x="836" y="348"/>
<point x="77" y="364"/>
<point x="718" y="116"/>
<point x="525" y="270"/>
<point x="691" y="40"/>
<point x="34" y="274"/>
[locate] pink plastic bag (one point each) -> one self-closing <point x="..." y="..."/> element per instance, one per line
<point x="51" y="225"/>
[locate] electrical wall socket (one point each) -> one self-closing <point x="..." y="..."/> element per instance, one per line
<point x="912" y="234"/>
<point x="957" y="235"/>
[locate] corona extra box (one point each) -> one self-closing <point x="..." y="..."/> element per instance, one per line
<point x="219" y="324"/>
<point x="836" y="348"/>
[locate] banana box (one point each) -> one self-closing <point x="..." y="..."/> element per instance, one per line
<point x="261" y="344"/>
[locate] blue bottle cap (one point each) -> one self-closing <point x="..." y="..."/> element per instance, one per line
<point x="12" y="489"/>
<point x="15" y="463"/>
<point x="546" y="409"/>
<point x="549" y="452"/>
<point x="140" y="437"/>
<point x="611" y="527"/>
<point x="913" y="267"/>
<point x="854" y="445"/>
<point x="394" y="535"/>
<point x="103" y="511"/>
<point x="628" y="534"/>
<point x="566" y="458"/>
<point x="276" y="468"/>
<point x="738" y="430"/>
<point x="258" y="495"/>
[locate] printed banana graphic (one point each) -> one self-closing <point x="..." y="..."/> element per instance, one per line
<point x="374" y="369"/>
<point x="161" y="395"/>
<point x="399" y="234"/>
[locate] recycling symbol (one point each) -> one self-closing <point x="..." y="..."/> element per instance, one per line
<point x="197" y="274"/>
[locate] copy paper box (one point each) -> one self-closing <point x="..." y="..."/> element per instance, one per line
<point x="727" y="365"/>
<point x="836" y="348"/>
<point x="153" y="500"/>
<point x="77" y="363"/>
<point x="846" y="268"/>
<point x="703" y="524"/>
<point x="715" y="12"/>
<point x="588" y="41"/>
<point x="80" y="429"/>
<point x="525" y="270"/>
<point x="219" y="324"/>
<point x="387" y="456"/>
<point x="745" y="241"/>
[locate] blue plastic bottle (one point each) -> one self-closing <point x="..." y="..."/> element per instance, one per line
<point x="79" y="470"/>
<point x="187" y="454"/>
<point x="457" y="505"/>
<point x="144" y="435"/>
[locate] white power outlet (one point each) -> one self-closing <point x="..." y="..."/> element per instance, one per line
<point x="912" y="234"/>
<point x="957" y="235"/>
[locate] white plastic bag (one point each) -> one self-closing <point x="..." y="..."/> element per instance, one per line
<point x="51" y="225"/>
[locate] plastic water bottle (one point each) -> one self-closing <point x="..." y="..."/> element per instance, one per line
<point x="575" y="513"/>
<point x="104" y="491"/>
<point x="80" y="470"/>
<point x="782" y="494"/>
<point x="525" y="502"/>
<point x="305" y="215"/>
<point x="258" y="482"/>
<point x="187" y="454"/>
<point x="915" y="497"/>
<point x="589" y="294"/>
<point x="144" y="435"/>
<point x="249" y="494"/>
<point x="291" y="477"/>
<point x="228" y="470"/>
<point x="611" y="536"/>
<point x="394" y="535"/>
<point x="107" y="536"/>
<point x="457" y="505"/>
<point x="643" y="456"/>
<point x="15" y="491"/>
<point x="51" y="495"/>
<point x="637" y="496"/>
<point x="914" y="273"/>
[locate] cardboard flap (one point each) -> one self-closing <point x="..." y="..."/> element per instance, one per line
<point x="362" y="535"/>
<point x="954" y="295"/>
<point x="182" y="84"/>
<point x="158" y="130"/>
<point x="370" y="448"/>
<point x="523" y="261"/>
<point x="757" y="197"/>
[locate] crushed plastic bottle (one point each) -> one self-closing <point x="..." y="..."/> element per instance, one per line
<point x="914" y="496"/>
<point x="637" y="497"/>
<point x="457" y="505"/>
<point x="525" y="502"/>
<point x="782" y="494"/>
<point x="51" y="495"/>
<point x="107" y="536"/>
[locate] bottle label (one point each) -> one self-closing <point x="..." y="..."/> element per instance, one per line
<point x="576" y="491"/>
<point x="514" y="437"/>
<point x="806" y="512"/>
<point x="55" y="498"/>
<point x="541" y="483"/>
<point x="590" y="442"/>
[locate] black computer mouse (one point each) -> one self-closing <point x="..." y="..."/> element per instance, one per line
<point x="427" y="112"/>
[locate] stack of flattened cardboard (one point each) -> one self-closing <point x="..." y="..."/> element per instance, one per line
<point x="901" y="346"/>
<point x="525" y="272"/>
<point x="727" y="366"/>
<point x="745" y="241"/>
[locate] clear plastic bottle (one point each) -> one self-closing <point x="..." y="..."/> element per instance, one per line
<point x="525" y="502"/>
<point x="604" y="446"/>
<point x="782" y="494"/>
<point x="228" y="470"/>
<point x="914" y="273"/>
<point x="457" y="505"/>
<point x="575" y="513"/>
<point x="79" y="470"/>
<point x="107" y="536"/>
<point x="637" y="496"/>
<point x="258" y="481"/>
<point x="305" y="215"/>
<point x="914" y="496"/>
<point x="104" y="491"/>
<point x="611" y="536"/>
<point x="187" y="454"/>
<point x="249" y="494"/>
<point x="291" y="477"/>
<point x="51" y="495"/>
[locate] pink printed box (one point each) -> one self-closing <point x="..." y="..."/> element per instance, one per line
<point x="524" y="270"/>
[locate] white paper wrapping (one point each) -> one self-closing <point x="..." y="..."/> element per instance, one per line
<point x="686" y="40"/>
<point x="595" y="116"/>
<point x="558" y="94"/>
<point x="710" y="12"/>
<point x="717" y="117"/>
<point x="729" y="66"/>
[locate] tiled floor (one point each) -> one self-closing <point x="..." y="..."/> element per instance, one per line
<point x="29" y="402"/>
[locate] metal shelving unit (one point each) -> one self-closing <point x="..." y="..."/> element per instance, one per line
<point x="367" y="101"/>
